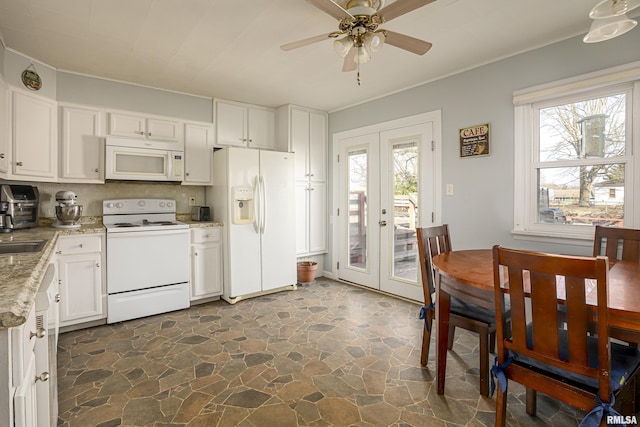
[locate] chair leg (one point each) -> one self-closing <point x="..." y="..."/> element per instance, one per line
<point x="426" y="339"/>
<point x="531" y="404"/>
<point x="452" y="330"/>
<point x="501" y="406"/>
<point x="484" y="362"/>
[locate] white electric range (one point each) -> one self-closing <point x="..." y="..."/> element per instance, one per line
<point x="147" y="258"/>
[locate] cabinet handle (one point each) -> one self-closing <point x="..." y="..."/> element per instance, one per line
<point x="97" y="170"/>
<point x="57" y="298"/>
<point x="98" y="264"/>
<point x="195" y="253"/>
<point x="140" y="132"/>
<point x="39" y="333"/>
<point x="311" y="189"/>
<point x="18" y="163"/>
<point x="250" y="140"/>
<point x="82" y="245"/>
<point x="149" y="133"/>
<point x="187" y="174"/>
<point x="42" y="377"/>
<point x="58" y="252"/>
<point x="1" y="155"/>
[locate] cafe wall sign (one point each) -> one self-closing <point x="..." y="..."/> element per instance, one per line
<point x="474" y="141"/>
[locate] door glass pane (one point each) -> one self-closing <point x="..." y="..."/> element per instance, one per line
<point x="405" y="209"/>
<point x="357" y="206"/>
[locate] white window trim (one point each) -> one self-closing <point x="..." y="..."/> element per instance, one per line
<point x="524" y="226"/>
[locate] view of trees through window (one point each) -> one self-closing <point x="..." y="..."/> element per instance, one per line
<point x="580" y="168"/>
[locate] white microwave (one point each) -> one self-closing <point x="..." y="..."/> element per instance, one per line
<point x="124" y="161"/>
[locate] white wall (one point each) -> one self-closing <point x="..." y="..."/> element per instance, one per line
<point x="480" y="213"/>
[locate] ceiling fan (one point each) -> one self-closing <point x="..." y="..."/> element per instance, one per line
<point x="358" y="22"/>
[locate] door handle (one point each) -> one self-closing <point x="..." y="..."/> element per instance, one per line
<point x="382" y="223"/>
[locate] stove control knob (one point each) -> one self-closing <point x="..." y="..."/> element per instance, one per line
<point x="141" y="203"/>
<point x="169" y="204"/>
<point x="161" y="204"/>
<point x="119" y="205"/>
<point x="109" y="205"/>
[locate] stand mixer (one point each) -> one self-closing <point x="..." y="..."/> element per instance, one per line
<point x="67" y="211"/>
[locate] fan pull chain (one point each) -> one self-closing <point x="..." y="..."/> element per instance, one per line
<point x="358" y="75"/>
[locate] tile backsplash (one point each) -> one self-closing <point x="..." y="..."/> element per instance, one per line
<point x="90" y="196"/>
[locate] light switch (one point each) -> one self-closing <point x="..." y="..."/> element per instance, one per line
<point x="449" y="189"/>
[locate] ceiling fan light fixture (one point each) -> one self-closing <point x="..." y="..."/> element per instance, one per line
<point x="610" y="8"/>
<point x="608" y="28"/>
<point x="343" y="46"/>
<point x="374" y="40"/>
<point x="363" y="55"/>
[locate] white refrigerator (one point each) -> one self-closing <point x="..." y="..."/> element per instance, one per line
<point x="254" y="196"/>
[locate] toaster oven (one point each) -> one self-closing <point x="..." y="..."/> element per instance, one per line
<point x="22" y="205"/>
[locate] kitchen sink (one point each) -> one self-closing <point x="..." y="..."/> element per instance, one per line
<point x="12" y="248"/>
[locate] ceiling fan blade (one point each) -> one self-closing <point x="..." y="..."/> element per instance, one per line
<point x="399" y="8"/>
<point x="412" y="44"/>
<point x="305" y="42"/>
<point x="349" y="61"/>
<point x="333" y="9"/>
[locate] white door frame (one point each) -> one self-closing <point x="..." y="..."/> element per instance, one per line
<point x="427" y="216"/>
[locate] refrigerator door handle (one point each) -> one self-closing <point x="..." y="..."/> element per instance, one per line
<point x="263" y="204"/>
<point x="256" y="206"/>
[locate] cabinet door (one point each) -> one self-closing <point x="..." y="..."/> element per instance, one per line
<point x="34" y="136"/>
<point x="25" y="404"/>
<point x="206" y="270"/>
<point x="317" y="217"/>
<point x="127" y="125"/>
<point x="317" y="147"/>
<point x="262" y="129"/>
<point x="300" y="141"/>
<point x="198" y="153"/>
<point x="231" y="124"/>
<point x="80" y="288"/>
<point x="82" y="145"/>
<point x="4" y="127"/>
<point x="302" y="218"/>
<point x="163" y="130"/>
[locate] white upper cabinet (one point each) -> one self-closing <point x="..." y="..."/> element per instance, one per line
<point x="198" y="153"/>
<point x="244" y="125"/>
<point x="144" y="127"/>
<point x="34" y="137"/>
<point x="81" y="144"/>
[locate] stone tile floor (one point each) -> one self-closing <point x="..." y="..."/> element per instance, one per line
<point x="327" y="354"/>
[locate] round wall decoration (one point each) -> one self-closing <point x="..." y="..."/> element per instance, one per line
<point x="31" y="79"/>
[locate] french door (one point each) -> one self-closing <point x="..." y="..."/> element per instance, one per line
<point x="385" y="190"/>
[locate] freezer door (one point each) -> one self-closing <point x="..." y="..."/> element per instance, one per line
<point x="243" y="238"/>
<point x="277" y="202"/>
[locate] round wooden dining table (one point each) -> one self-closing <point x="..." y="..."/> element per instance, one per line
<point x="468" y="275"/>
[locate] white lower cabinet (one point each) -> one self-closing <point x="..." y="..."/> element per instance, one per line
<point x="206" y="262"/>
<point x="80" y="274"/>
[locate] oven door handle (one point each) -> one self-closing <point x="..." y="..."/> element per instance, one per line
<point x="147" y="233"/>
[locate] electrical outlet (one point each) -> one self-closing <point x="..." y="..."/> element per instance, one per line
<point x="192" y="201"/>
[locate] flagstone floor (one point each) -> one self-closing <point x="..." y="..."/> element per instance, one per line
<point x="327" y="354"/>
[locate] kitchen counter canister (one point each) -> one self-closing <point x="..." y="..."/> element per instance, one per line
<point x="21" y="274"/>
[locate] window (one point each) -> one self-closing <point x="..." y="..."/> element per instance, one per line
<point x="574" y="155"/>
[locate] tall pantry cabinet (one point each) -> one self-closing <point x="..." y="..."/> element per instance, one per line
<point x="305" y="131"/>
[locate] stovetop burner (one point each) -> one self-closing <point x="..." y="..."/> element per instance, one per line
<point x="126" y="224"/>
<point x="147" y="222"/>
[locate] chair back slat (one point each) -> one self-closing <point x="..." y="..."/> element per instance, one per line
<point x="544" y="322"/>
<point x="538" y="279"/>
<point x="577" y="319"/>
<point x="617" y="243"/>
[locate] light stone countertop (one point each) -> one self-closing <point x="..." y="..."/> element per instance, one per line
<point x="21" y="274"/>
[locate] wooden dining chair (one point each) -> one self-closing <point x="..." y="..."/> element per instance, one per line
<point x="552" y="354"/>
<point x="618" y="244"/>
<point x="431" y="242"/>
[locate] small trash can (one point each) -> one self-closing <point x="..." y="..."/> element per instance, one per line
<point x="306" y="271"/>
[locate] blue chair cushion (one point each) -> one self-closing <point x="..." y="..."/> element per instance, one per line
<point x="481" y="314"/>
<point x="624" y="361"/>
